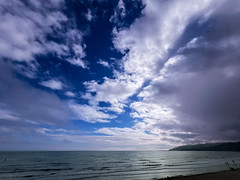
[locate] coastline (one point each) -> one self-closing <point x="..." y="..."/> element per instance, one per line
<point x="222" y="175"/>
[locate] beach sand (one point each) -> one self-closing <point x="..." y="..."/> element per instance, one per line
<point x="224" y="175"/>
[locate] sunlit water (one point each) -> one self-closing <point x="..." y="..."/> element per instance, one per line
<point x="111" y="165"/>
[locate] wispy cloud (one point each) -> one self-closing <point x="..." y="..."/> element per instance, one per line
<point x="70" y="94"/>
<point x="52" y="84"/>
<point x="104" y="63"/>
<point x="6" y="114"/>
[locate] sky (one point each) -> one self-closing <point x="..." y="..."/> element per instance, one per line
<point x="118" y="75"/>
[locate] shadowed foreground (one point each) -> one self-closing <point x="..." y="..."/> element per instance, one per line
<point x="224" y="175"/>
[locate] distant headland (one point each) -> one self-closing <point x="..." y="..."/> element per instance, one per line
<point x="226" y="146"/>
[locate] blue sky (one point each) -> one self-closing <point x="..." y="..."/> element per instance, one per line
<point x="118" y="75"/>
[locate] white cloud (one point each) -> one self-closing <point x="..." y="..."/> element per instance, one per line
<point x="104" y="63"/>
<point x="185" y="97"/>
<point x="148" y="110"/>
<point x="29" y="70"/>
<point x="90" y="114"/>
<point x="148" y="41"/>
<point x="119" y="13"/>
<point x="136" y="138"/>
<point x="89" y="15"/>
<point x="113" y="91"/>
<point x="70" y="94"/>
<point x="110" y="138"/>
<point x="24" y="30"/>
<point x="150" y="38"/>
<point x="6" y="114"/>
<point x="52" y="84"/>
<point x="146" y="45"/>
<point x="77" y="62"/>
<point x="75" y="42"/>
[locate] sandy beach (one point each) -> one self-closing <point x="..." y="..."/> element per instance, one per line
<point x="224" y="175"/>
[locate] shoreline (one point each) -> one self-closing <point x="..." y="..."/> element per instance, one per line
<point x="221" y="175"/>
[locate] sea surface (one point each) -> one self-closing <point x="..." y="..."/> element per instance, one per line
<point x="108" y="165"/>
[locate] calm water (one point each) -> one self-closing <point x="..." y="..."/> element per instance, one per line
<point x="111" y="165"/>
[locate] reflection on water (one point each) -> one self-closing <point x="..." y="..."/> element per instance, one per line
<point x="105" y="165"/>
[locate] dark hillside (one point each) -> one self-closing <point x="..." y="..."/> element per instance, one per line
<point x="230" y="146"/>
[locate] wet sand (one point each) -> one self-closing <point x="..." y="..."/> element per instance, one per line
<point x="224" y="175"/>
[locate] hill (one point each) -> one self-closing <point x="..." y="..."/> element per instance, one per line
<point x="228" y="146"/>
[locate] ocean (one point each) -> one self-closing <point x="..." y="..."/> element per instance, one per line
<point x="108" y="165"/>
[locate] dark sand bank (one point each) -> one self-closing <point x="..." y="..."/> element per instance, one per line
<point x="224" y="175"/>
